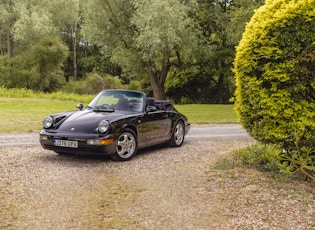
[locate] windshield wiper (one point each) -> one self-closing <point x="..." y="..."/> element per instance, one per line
<point x="103" y="109"/>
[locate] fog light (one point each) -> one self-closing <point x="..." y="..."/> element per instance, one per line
<point x="93" y="142"/>
<point x="44" y="137"/>
<point x="100" y="142"/>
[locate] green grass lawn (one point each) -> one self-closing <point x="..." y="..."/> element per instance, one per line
<point x="208" y="113"/>
<point x="27" y="114"/>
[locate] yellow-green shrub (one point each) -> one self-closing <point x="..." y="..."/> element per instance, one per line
<point x="275" y="81"/>
<point x="275" y="73"/>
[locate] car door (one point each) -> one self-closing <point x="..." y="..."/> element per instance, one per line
<point x="155" y="126"/>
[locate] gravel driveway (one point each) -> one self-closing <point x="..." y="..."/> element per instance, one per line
<point x="160" y="188"/>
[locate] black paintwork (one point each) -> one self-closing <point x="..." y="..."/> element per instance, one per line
<point x="152" y="121"/>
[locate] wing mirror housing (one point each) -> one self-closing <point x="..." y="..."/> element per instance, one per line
<point x="150" y="108"/>
<point x="80" y="106"/>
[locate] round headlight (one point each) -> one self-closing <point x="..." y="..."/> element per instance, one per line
<point x="48" y="122"/>
<point x="103" y="126"/>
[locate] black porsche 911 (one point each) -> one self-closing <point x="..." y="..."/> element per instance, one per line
<point x="116" y="123"/>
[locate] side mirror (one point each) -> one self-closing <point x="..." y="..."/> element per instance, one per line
<point x="80" y="106"/>
<point x="150" y="109"/>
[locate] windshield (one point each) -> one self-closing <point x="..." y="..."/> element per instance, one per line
<point x="111" y="100"/>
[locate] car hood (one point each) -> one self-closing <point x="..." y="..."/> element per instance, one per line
<point x="87" y="121"/>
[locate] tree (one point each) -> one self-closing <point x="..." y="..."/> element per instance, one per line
<point x="208" y="78"/>
<point x="7" y="18"/>
<point x="170" y="46"/>
<point x="38" y="52"/>
<point x="67" y="18"/>
<point x="142" y="35"/>
<point x="275" y="72"/>
<point x="49" y="55"/>
<point x="33" y="23"/>
<point x="241" y="13"/>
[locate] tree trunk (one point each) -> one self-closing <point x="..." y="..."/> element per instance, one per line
<point x="9" y="37"/>
<point x="158" y="89"/>
<point x="158" y="81"/>
<point x="219" y="92"/>
<point x="74" y="43"/>
<point x="165" y="69"/>
<point x="1" y="50"/>
<point x="10" y="44"/>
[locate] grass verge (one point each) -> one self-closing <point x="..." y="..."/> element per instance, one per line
<point x="209" y="113"/>
<point x="270" y="158"/>
<point x="273" y="199"/>
<point x="27" y="114"/>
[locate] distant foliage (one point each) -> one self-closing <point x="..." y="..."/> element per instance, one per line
<point x="94" y="83"/>
<point x="27" y="93"/>
<point x="150" y="45"/>
<point x="274" y="67"/>
<point x="48" y="56"/>
<point x="38" y="68"/>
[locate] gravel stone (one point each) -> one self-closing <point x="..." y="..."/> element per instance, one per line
<point x="160" y="188"/>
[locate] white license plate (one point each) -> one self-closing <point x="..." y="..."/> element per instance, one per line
<point x="64" y="143"/>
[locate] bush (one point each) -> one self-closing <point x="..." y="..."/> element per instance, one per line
<point x="274" y="71"/>
<point x="259" y="155"/>
<point x="48" y="56"/>
<point x="272" y="158"/>
<point x="299" y="160"/>
<point x="27" y="93"/>
<point x="94" y="83"/>
<point x="38" y="68"/>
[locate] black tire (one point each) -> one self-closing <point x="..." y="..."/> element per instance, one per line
<point x="178" y="135"/>
<point x="127" y="146"/>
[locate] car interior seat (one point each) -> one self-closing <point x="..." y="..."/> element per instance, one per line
<point x="122" y="104"/>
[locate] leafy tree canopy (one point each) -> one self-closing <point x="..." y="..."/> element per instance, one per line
<point x="144" y="37"/>
<point x="152" y="44"/>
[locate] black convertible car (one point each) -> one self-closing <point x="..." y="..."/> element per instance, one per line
<point x="116" y="123"/>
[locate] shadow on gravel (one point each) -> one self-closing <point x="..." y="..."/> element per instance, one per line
<point x="75" y="159"/>
<point x="67" y="159"/>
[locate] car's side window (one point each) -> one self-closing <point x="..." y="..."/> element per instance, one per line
<point x="122" y="104"/>
<point x="135" y="105"/>
<point x="135" y="101"/>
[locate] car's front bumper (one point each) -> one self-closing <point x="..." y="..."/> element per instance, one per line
<point x="84" y="144"/>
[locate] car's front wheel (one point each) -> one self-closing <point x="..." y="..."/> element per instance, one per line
<point x="178" y="135"/>
<point x="126" y="146"/>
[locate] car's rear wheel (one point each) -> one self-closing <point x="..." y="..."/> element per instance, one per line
<point x="178" y="135"/>
<point x="126" y="146"/>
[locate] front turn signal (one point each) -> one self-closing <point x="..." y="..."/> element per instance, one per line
<point x="106" y="141"/>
